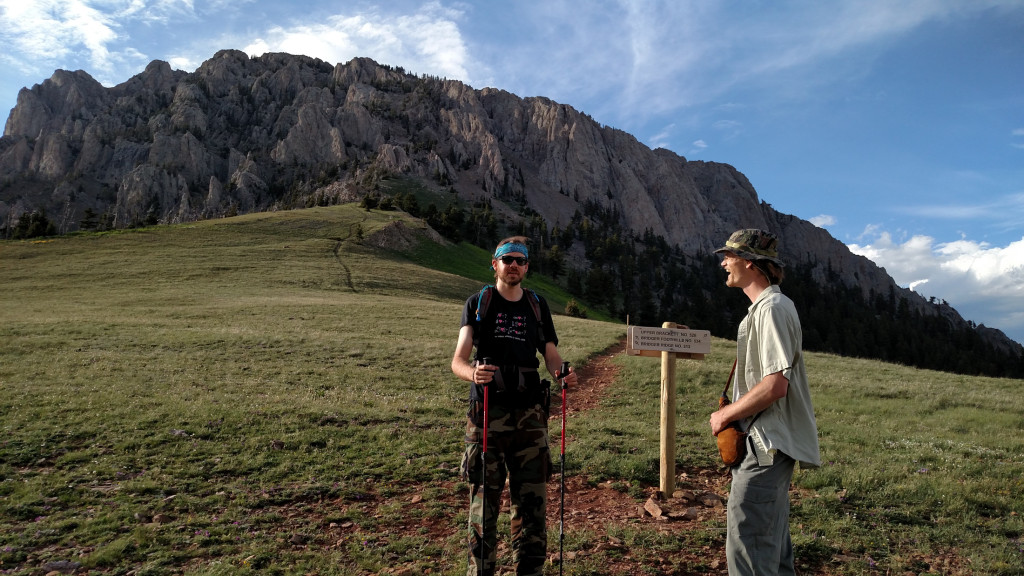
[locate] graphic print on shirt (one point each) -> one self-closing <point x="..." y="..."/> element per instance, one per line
<point x="510" y="327"/>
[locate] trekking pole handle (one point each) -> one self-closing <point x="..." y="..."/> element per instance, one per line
<point x="562" y="373"/>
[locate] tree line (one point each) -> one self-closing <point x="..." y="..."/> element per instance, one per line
<point x="645" y="280"/>
<point x="29" y="225"/>
<point x="642" y="279"/>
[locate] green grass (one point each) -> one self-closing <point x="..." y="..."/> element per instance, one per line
<point x="264" y="394"/>
<point x="468" y="261"/>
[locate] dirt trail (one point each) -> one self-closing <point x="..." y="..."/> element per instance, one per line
<point x="600" y="509"/>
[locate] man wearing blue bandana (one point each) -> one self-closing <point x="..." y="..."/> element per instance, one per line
<point x="510" y="326"/>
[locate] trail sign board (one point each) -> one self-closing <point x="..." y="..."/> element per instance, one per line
<point x="670" y="342"/>
<point x="650" y="341"/>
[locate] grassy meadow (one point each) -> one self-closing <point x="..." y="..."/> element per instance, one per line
<point x="270" y="393"/>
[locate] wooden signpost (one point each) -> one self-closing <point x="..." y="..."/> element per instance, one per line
<point x="670" y="342"/>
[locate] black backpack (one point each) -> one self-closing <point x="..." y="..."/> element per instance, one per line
<point x="484" y="300"/>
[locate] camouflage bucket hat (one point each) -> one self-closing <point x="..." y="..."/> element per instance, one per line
<point x="753" y="244"/>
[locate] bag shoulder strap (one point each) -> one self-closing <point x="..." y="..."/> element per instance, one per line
<point x="725" y="391"/>
<point x="534" y="300"/>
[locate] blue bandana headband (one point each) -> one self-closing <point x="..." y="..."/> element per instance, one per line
<point x="511" y="247"/>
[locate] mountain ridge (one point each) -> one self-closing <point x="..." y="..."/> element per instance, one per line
<point x="244" y="134"/>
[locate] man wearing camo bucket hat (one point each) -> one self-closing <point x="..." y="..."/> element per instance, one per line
<point x="772" y="401"/>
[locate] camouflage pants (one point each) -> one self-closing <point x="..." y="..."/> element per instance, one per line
<point x="517" y="449"/>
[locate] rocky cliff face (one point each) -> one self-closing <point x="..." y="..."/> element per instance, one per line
<point x="245" y="134"/>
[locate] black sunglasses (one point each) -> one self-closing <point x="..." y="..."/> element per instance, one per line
<point x="521" y="260"/>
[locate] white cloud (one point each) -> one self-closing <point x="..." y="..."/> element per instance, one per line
<point x="42" y="34"/>
<point x="186" y="63"/>
<point x="425" y="42"/>
<point x="698" y="146"/>
<point x="823" y="220"/>
<point x="984" y="283"/>
<point x="35" y="30"/>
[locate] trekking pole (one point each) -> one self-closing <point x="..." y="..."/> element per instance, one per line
<point x="561" y="512"/>
<point x="483" y="477"/>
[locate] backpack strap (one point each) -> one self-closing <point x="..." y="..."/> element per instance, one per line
<point x="534" y="301"/>
<point x="484" y="300"/>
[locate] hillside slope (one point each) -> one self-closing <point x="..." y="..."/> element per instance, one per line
<point x="269" y="393"/>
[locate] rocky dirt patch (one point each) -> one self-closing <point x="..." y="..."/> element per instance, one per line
<point x="602" y="511"/>
<point x="596" y="509"/>
<point x="399" y="236"/>
<point x="700" y="496"/>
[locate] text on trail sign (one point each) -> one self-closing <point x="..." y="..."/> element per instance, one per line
<point x="679" y="340"/>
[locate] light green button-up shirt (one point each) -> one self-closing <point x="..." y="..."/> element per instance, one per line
<point x="770" y="340"/>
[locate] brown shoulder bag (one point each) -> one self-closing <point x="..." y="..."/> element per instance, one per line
<point x="732" y="440"/>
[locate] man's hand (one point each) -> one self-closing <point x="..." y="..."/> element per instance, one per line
<point x="719" y="422"/>
<point x="483" y="373"/>
<point x="570" y="378"/>
<point x="773" y="387"/>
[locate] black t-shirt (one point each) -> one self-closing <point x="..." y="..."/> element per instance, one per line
<point x="508" y="333"/>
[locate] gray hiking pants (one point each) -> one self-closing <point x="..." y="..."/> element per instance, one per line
<point x="757" y="540"/>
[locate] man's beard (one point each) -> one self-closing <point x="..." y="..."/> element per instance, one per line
<point x="507" y="279"/>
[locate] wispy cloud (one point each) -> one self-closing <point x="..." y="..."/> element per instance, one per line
<point x="672" y="55"/>
<point x="727" y="124"/>
<point x="1001" y="213"/>
<point x="662" y="138"/>
<point x="40" y="31"/>
<point x="950" y="211"/>
<point x="156" y="12"/>
<point x="705" y="49"/>
<point x="1018" y="135"/>
<point x="697" y="147"/>
<point x="40" y="35"/>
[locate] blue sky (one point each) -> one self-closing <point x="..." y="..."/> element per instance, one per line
<point x="897" y="126"/>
